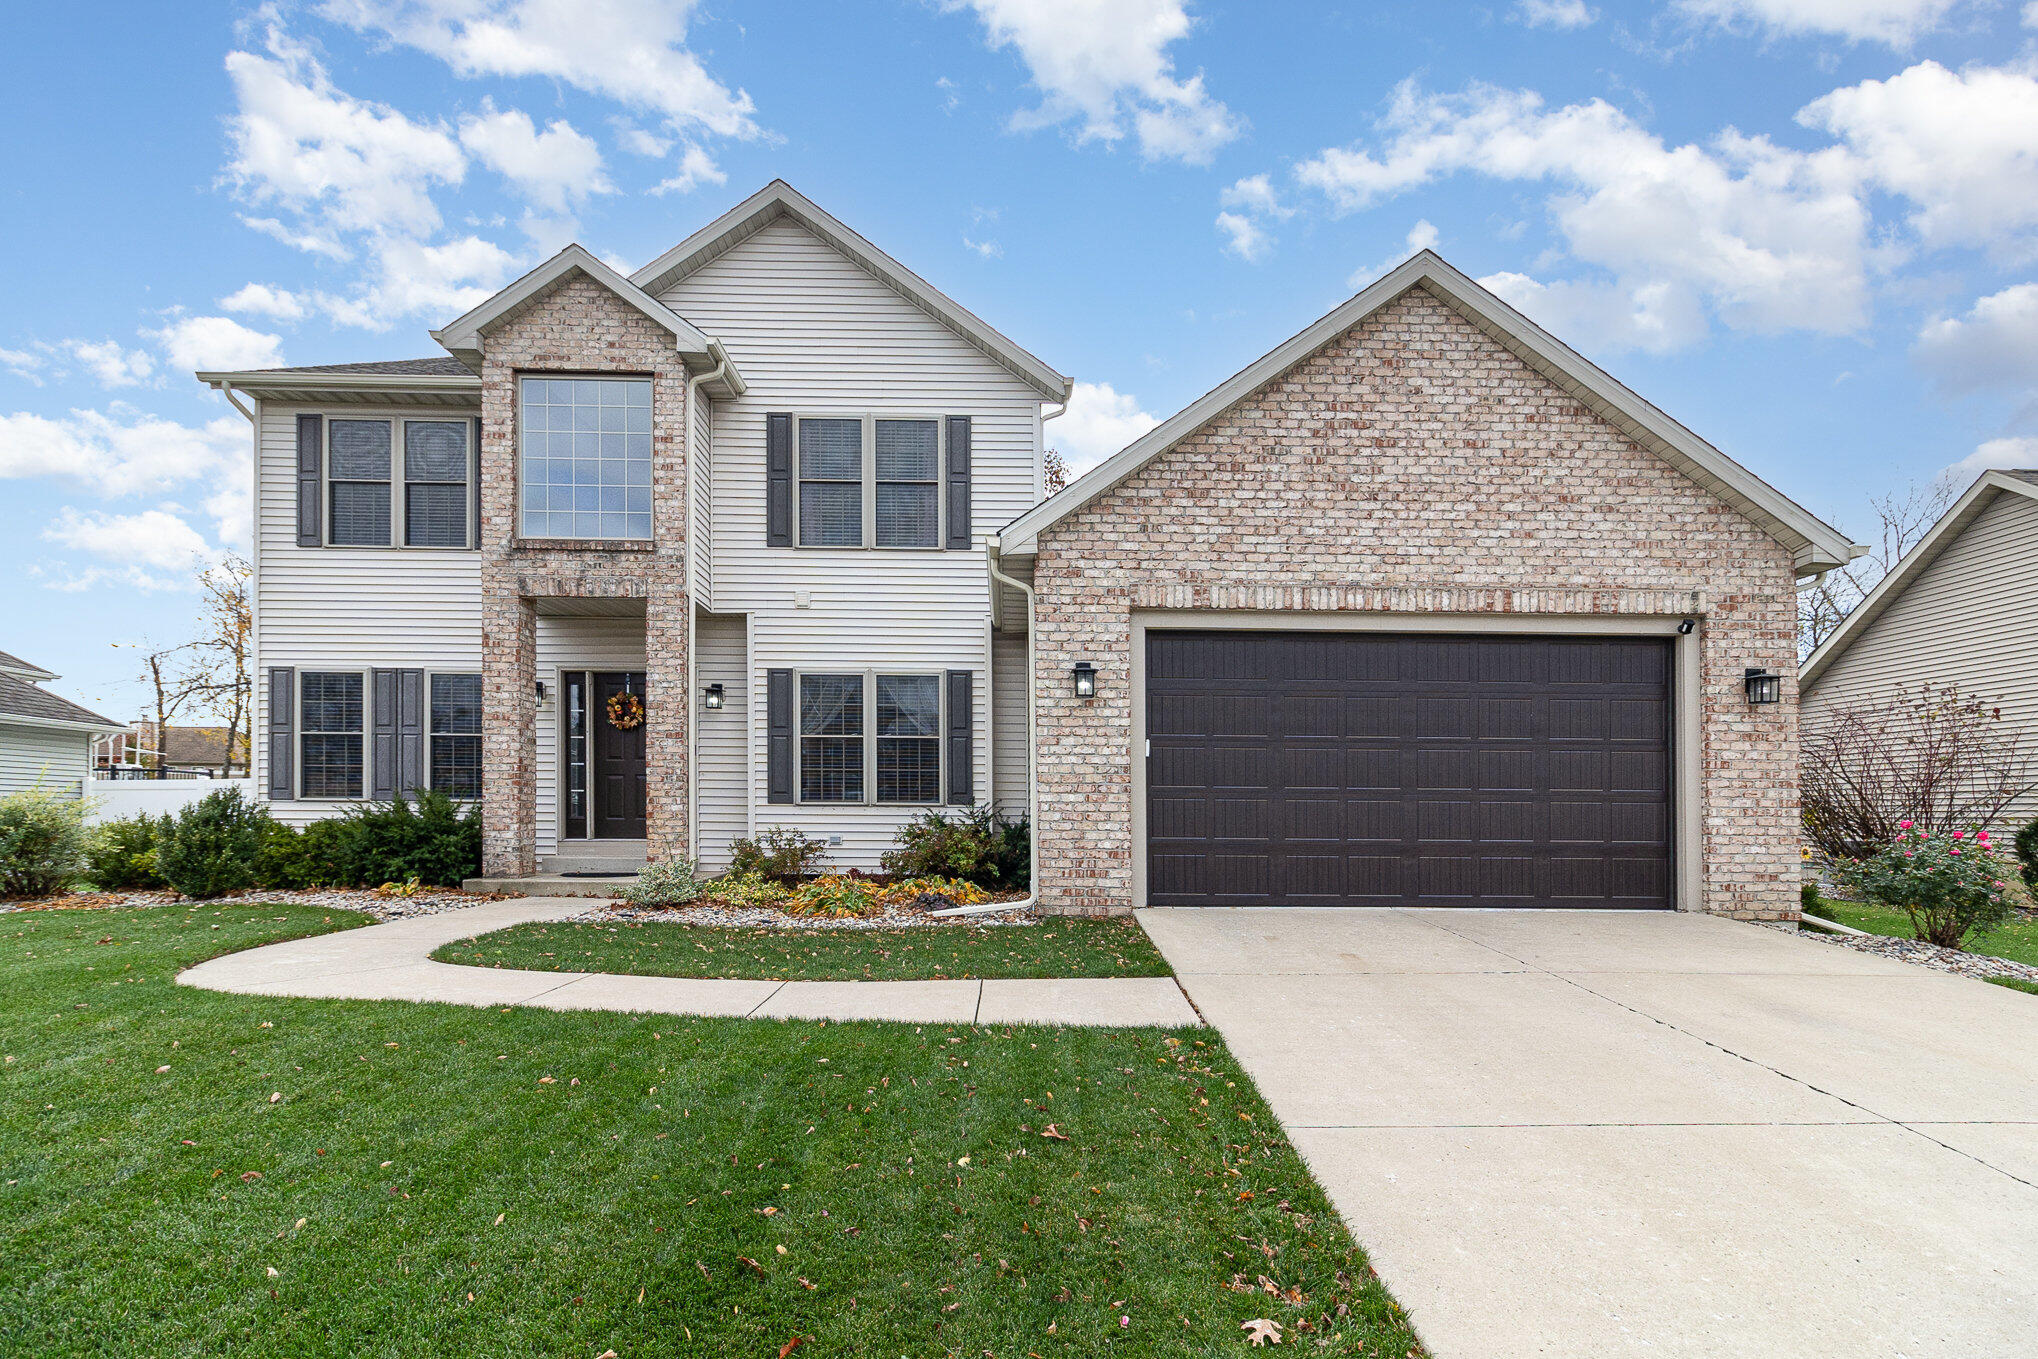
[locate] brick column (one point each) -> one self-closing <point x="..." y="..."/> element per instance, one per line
<point x="667" y="714"/>
<point x="509" y="746"/>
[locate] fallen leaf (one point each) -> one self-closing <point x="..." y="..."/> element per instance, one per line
<point x="250" y="1175"/>
<point x="1260" y="1331"/>
<point x="161" y="1069"/>
<point x="300" y="1224"/>
<point x="272" y="1271"/>
<point x="752" y="1263"/>
<point x="791" y="1345"/>
<point x="1051" y="1130"/>
<point x="276" y="1097"/>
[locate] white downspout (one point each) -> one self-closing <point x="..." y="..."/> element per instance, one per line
<point x="693" y="386"/>
<point x="1032" y="759"/>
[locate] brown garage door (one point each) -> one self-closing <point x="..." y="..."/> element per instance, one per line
<point x="1374" y="769"/>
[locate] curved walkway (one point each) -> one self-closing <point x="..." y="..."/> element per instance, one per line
<point x="393" y="962"/>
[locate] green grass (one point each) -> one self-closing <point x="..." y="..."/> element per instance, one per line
<point x="2016" y="940"/>
<point x="420" y="1188"/>
<point x="1063" y="948"/>
<point x="2014" y="983"/>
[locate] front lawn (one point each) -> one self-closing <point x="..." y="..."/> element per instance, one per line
<point x="362" y="1178"/>
<point x="1115" y="947"/>
<point x="2016" y="940"/>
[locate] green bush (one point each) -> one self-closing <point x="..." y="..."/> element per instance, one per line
<point x="2027" y="854"/>
<point x="667" y="882"/>
<point x="210" y="849"/>
<point x="120" y="855"/>
<point x="974" y="844"/>
<point x="1951" y="885"/>
<point x="294" y="860"/>
<point x="1811" y="903"/>
<point x="781" y="855"/>
<point x="746" y="889"/>
<point x="833" y="896"/>
<point x="42" y="843"/>
<point x="429" y="839"/>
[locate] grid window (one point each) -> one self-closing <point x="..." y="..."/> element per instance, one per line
<point x="359" y="455"/>
<point x="831" y="738"/>
<point x="456" y="735"/>
<point x="331" y="712"/>
<point x="908" y="483"/>
<point x="908" y="738"/>
<point x="435" y="483"/>
<point x="585" y="457"/>
<point x="831" y="483"/>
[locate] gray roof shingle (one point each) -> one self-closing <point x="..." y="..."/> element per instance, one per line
<point x="9" y="661"/>
<point x="2030" y="475"/>
<point x="437" y="367"/>
<point x="19" y="698"/>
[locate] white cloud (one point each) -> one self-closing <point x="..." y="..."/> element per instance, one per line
<point x="1654" y="317"/>
<point x="310" y="242"/>
<point x="1422" y="236"/>
<point x="410" y="278"/>
<point x="1555" y="13"/>
<point x="1961" y="146"/>
<point x="110" y="364"/>
<point x="631" y="51"/>
<point x="121" y="451"/>
<point x="263" y="300"/>
<point x="24" y="363"/>
<point x="1098" y="423"/>
<point x="300" y="142"/>
<point x="696" y="167"/>
<point x="2021" y="454"/>
<point x="1768" y="238"/>
<point x="1894" y="22"/>
<point x="1243" y="236"/>
<point x="1256" y="194"/>
<point x="554" y="168"/>
<point x="2031" y="14"/>
<point x="153" y="538"/>
<point x="639" y="141"/>
<point x="1994" y="345"/>
<point x="990" y="250"/>
<point x="216" y="344"/>
<point x="1103" y="65"/>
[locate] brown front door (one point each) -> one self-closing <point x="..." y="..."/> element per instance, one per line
<point x="618" y="762"/>
<point x="1378" y="769"/>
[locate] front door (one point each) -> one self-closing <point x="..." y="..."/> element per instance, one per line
<point x="618" y="761"/>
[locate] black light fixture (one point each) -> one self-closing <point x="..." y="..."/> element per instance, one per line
<point x="711" y="697"/>
<point x="541" y="690"/>
<point x="1763" y="686"/>
<point x="1085" y="676"/>
<point x="1684" y="628"/>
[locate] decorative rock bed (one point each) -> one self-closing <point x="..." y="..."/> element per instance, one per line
<point x="1981" y="965"/>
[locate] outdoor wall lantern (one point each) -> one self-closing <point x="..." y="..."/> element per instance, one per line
<point x="541" y="690"/>
<point x="1085" y="676"/>
<point x="1763" y="686"/>
<point x="712" y="697"/>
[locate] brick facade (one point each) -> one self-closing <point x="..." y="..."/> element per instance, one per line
<point x="580" y="327"/>
<point x="1413" y="465"/>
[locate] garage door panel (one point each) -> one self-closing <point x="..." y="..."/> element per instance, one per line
<point x="1374" y="769"/>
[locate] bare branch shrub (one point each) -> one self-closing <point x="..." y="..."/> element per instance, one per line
<point x="1902" y="518"/>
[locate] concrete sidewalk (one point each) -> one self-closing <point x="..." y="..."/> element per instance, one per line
<point x="1644" y="1133"/>
<point x="393" y="962"/>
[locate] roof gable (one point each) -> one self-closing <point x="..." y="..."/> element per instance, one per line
<point x="14" y="665"/>
<point x="1956" y="521"/>
<point x="779" y="199"/>
<point x="24" y="702"/>
<point x="1814" y="545"/>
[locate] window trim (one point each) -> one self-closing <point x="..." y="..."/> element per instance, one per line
<point x="399" y="484"/>
<point x="401" y="532"/>
<point x="870" y="676"/>
<point x="867" y="464"/>
<point x="367" y="677"/>
<point x="519" y="428"/>
<point x="482" y="735"/>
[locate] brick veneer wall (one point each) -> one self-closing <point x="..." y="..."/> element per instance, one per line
<point x="578" y="326"/>
<point x="1413" y="465"/>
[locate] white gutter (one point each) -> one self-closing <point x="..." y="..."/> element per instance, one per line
<point x="1032" y="758"/>
<point x="693" y="394"/>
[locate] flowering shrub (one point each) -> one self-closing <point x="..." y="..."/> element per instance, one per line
<point x="833" y="896"/>
<point x="1950" y="885"/>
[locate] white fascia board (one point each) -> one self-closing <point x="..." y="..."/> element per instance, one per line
<point x="274" y="380"/>
<point x="778" y="199"/>
<point x="1923" y="553"/>
<point x="1814" y="544"/>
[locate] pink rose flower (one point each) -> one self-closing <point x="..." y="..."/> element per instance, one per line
<point x="1955" y="851"/>
<point x="1903" y="825"/>
<point x="1960" y="835"/>
<point x="1981" y="837"/>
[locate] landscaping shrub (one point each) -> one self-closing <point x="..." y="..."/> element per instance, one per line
<point x="930" y="894"/>
<point x="428" y="838"/>
<point x="1811" y="903"/>
<point x="781" y="854"/>
<point x="42" y="843"/>
<point x="747" y="889"/>
<point x="120" y="855"/>
<point x="667" y="882"/>
<point x="210" y="849"/>
<point x="2027" y="854"/>
<point x="974" y="844"/>
<point x="1950" y="885"/>
<point x="833" y="896"/>
<point x="297" y="860"/>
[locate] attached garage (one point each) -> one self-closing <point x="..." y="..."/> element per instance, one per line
<point x="1325" y="768"/>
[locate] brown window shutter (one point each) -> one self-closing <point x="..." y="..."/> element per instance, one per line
<point x="960" y="537"/>
<point x="779" y="714"/>
<point x="310" y="479"/>
<point x="778" y="481"/>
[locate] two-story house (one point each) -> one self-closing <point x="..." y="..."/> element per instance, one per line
<point x="1419" y="608"/>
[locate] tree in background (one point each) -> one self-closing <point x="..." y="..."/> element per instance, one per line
<point x="164" y="671"/>
<point x="1057" y="469"/>
<point x="1902" y="518"/>
<point x="218" y="671"/>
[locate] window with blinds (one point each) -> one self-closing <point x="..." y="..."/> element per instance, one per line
<point x="436" y="466"/>
<point x="831" y="738"/>
<point x="869" y="737"/>
<point x="358" y="456"/>
<point x="455" y="735"/>
<point x="908" y="738"/>
<point x="831" y="483"/>
<point x="330" y="712"/>
<point x="908" y="473"/>
<point x="585" y="446"/>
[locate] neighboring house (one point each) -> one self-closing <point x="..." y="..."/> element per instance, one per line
<point x="1420" y="608"/>
<point x="1960" y="609"/>
<point x="183" y="748"/>
<point x="45" y="740"/>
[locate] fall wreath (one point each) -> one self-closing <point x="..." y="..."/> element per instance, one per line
<point x="626" y="712"/>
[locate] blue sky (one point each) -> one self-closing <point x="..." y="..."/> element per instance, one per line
<point x="1806" y="228"/>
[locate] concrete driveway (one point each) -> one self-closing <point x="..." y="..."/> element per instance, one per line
<point x="1595" y="1134"/>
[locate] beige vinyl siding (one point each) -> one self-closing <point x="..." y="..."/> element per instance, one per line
<point x="722" y="811"/>
<point x="348" y="608"/>
<point x="1008" y="722"/>
<point x="574" y="644"/>
<point x="812" y="332"/>
<point x="60" y="761"/>
<point x="1969" y="619"/>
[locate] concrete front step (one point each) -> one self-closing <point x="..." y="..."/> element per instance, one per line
<point x="552" y="885"/>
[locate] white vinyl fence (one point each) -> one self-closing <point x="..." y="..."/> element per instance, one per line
<point x="111" y="799"/>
